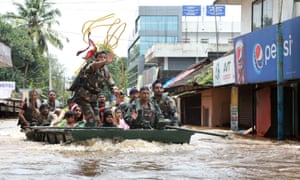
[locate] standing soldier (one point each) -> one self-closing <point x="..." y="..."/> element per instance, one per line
<point x="91" y="80"/>
<point x="165" y="102"/>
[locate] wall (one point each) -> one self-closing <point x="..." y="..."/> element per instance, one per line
<point x="206" y="114"/>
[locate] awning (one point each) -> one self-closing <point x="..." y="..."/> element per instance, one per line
<point x="196" y="77"/>
<point x="5" y="56"/>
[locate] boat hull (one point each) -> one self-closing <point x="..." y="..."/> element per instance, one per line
<point x="54" y="135"/>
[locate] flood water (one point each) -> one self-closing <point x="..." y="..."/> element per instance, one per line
<point x="206" y="157"/>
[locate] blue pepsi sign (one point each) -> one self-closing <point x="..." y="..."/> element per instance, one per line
<point x="191" y="10"/>
<point x="256" y="54"/>
<point x="215" y="10"/>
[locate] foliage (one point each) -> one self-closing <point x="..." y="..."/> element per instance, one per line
<point x="205" y="76"/>
<point x="38" y="17"/>
<point x="120" y="76"/>
<point x="29" y="69"/>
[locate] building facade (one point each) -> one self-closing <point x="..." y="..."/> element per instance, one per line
<point x="267" y="77"/>
<point x="168" y="39"/>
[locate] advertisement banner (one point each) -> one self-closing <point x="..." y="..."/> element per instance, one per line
<point x="255" y="54"/>
<point x="6" y="88"/>
<point x="223" y="69"/>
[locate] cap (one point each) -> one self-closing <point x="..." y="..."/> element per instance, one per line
<point x="101" y="94"/>
<point x="133" y="90"/>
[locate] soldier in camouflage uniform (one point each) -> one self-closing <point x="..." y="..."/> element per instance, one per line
<point x="91" y="80"/>
<point x="165" y="102"/>
<point x="144" y="113"/>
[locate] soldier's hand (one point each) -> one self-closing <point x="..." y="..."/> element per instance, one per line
<point x="110" y="57"/>
<point x="134" y="115"/>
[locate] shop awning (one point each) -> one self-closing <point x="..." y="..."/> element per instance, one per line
<point x="198" y="76"/>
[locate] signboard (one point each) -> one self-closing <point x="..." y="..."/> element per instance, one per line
<point x="215" y="10"/>
<point x="223" y="69"/>
<point x="6" y="88"/>
<point x="234" y="113"/>
<point x="191" y="10"/>
<point x="234" y="118"/>
<point x="255" y="54"/>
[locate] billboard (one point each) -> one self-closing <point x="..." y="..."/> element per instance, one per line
<point x="255" y="53"/>
<point x="6" y="88"/>
<point x="191" y="10"/>
<point x="215" y="10"/>
<point x="223" y="70"/>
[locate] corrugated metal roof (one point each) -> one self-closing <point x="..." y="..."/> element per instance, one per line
<point x="200" y="74"/>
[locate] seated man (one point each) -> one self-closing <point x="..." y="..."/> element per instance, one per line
<point x="53" y="102"/>
<point x="144" y="113"/>
<point x="46" y="117"/>
<point x="166" y="104"/>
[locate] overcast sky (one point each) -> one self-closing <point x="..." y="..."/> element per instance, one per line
<point x="76" y="12"/>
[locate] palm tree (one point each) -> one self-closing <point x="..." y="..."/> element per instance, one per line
<point x="38" y="17"/>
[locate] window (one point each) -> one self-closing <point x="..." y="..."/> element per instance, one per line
<point x="204" y="40"/>
<point x="262" y="14"/>
<point x="296" y="8"/>
<point x="158" y="23"/>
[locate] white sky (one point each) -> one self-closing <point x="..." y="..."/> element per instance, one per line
<point x="76" y="12"/>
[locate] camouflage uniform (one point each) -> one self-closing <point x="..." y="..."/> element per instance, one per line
<point x="87" y="85"/>
<point x="168" y="108"/>
<point x="148" y="118"/>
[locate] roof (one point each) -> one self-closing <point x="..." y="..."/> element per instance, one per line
<point x="195" y="77"/>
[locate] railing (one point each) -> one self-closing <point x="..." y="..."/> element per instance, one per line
<point x="10" y="107"/>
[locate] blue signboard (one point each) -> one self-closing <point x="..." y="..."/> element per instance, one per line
<point x="215" y="10"/>
<point x="191" y="10"/>
<point x="256" y="54"/>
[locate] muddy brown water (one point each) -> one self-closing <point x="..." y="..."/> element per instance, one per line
<point x="206" y="157"/>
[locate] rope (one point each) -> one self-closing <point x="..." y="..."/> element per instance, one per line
<point x="115" y="30"/>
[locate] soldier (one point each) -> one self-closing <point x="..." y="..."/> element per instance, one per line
<point x="165" y="102"/>
<point x="91" y="80"/>
<point x="144" y="113"/>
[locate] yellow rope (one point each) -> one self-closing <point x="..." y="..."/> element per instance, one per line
<point x="115" y="30"/>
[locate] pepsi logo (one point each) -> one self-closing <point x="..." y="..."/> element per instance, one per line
<point x="258" y="57"/>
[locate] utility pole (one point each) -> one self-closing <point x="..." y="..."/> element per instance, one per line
<point x="279" y="38"/>
<point x="50" y="72"/>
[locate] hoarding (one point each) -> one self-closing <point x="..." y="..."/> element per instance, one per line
<point x="215" y="10"/>
<point x="223" y="70"/>
<point x="256" y="56"/>
<point x="191" y="10"/>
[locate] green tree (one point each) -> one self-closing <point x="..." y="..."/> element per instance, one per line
<point x="118" y="71"/>
<point x="29" y="67"/>
<point x="38" y="17"/>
